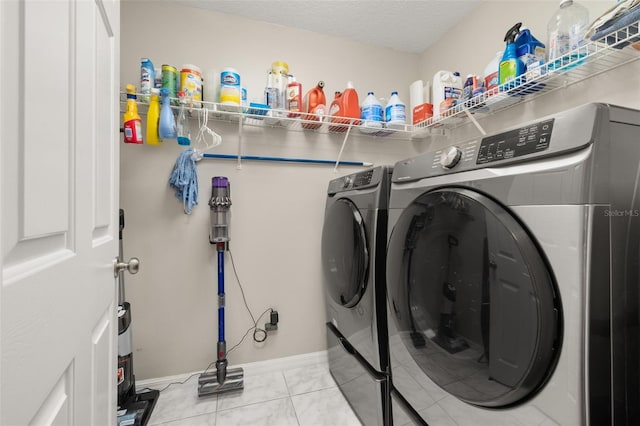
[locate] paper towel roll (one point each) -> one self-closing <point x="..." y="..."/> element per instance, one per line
<point x="416" y="93"/>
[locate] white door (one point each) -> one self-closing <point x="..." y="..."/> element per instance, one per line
<point x="59" y="122"/>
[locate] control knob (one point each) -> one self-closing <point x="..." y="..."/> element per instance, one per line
<point x="348" y="180"/>
<point x="450" y="157"/>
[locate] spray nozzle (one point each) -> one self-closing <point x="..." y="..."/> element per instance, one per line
<point x="513" y="32"/>
<point x="131" y="91"/>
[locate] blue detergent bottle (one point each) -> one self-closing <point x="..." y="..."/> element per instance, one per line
<point x="167" y="126"/>
<point x="533" y="54"/>
<point x="511" y="67"/>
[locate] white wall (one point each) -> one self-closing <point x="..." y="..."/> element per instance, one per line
<point x="277" y="208"/>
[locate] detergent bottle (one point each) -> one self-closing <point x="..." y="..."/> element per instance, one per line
<point x="167" y="126"/>
<point x="132" y="122"/>
<point x="511" y="67"/>
<point x="346" y="105"/>
<point x="314" y="105"/>
<point x="395" y="112"/>
<point x="153" y="117"/>
<point x="371" y="114"/>
<point x="447" y="89"/>
<point x="566" y="31"/>
<point x="294" y="97"/>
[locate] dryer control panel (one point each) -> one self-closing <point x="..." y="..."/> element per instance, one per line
<point x="514" y="143"/>
<point x="355" y="181"/>
<point x="532" y="140"/>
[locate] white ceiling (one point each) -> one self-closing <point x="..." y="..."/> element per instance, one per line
<point x="405" y="25"/>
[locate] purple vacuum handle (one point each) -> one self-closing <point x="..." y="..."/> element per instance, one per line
<point x="219" y="182"/>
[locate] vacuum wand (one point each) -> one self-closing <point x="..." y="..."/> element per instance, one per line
<point x="220" y="204"/>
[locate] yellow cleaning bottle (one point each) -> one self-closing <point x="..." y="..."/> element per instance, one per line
<point x="132" y="122"/>
<point x="153" y="117"/>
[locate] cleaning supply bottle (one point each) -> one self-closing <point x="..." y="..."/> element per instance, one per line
<point x="294" y="97"/>
<point x="147" y="77"/>
<point x="271" y="93"/>
<point x="395" y="112"/>
<point x="491" y="79"/>
<point x="511" y="67"/>
<point x="447" y="89"/>
<point x="314" y="104"/>
<point x="533" y="55"/>
<point x="153" y="117"/>
<point x="345" y="105"/>
<point x="371" y="113"/>
<point x="566" y="31"/>
<point x="167" y="126"/>
<point x="182" y="124"/>
<point x="132" y="122"/>
<point x="531" y="51"/>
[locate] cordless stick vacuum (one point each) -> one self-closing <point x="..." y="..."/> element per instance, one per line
<point x="223" y="379"/>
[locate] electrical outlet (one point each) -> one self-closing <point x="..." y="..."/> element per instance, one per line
<point x="272" y="325"/>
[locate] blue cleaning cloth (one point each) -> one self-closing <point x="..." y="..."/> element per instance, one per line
<point x="184" y="180"/>
<point x="629" y="19"/>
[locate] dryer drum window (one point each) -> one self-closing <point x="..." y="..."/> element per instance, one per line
<point x="473" y="298"/>
<point x="345" y="253"/>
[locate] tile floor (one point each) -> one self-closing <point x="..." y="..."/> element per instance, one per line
<point x="303" y="396"/>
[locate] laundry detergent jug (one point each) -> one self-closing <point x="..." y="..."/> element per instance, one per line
<point x="314" y="105"/>
<point x="345" y="104"/>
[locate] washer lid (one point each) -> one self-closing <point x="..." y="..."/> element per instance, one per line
<point x="345" y="253"/>
<point x="473" y="298"/>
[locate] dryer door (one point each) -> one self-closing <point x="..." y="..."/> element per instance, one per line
<point x="473" y="298"/>
<point x="345" y="253"/>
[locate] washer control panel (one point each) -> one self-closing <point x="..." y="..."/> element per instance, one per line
<point x="450" y="157"/>
<point x="454" y="157"/>
<point x="514" y="143"/>
<point x="361" y="180"/>
<point x="503" y="147"/>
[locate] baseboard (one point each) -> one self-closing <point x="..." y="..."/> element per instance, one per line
<point x="254" y="368"/>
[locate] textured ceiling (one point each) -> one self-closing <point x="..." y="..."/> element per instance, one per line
<point x="409" y="26"/>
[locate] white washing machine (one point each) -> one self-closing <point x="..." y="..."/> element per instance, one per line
<point x="354" y="237"/>
<point x="513" y="275"/>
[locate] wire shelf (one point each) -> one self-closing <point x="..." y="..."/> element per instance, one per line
<point x="591" y="59"/>
<point x="266" y="117"/>
<point x="595" y="57"/>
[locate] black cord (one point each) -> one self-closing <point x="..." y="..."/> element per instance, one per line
<point x="256" y="331"/>
<point x="182" y="382"/>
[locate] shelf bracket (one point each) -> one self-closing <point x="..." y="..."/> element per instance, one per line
<point x="240" y="141"/>
<point x="475" y="122"/>
<point x="344" y="142"/>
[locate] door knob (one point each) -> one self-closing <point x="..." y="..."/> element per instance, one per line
<point x="133" y="266"/>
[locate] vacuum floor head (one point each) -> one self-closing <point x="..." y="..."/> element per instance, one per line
<point x="209" y="383"/>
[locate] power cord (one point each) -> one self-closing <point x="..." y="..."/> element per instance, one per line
<point x="257" y="331"/>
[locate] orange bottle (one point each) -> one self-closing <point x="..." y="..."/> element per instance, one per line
<point x="346" y="105"/>
<point x="314" y="104"/>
